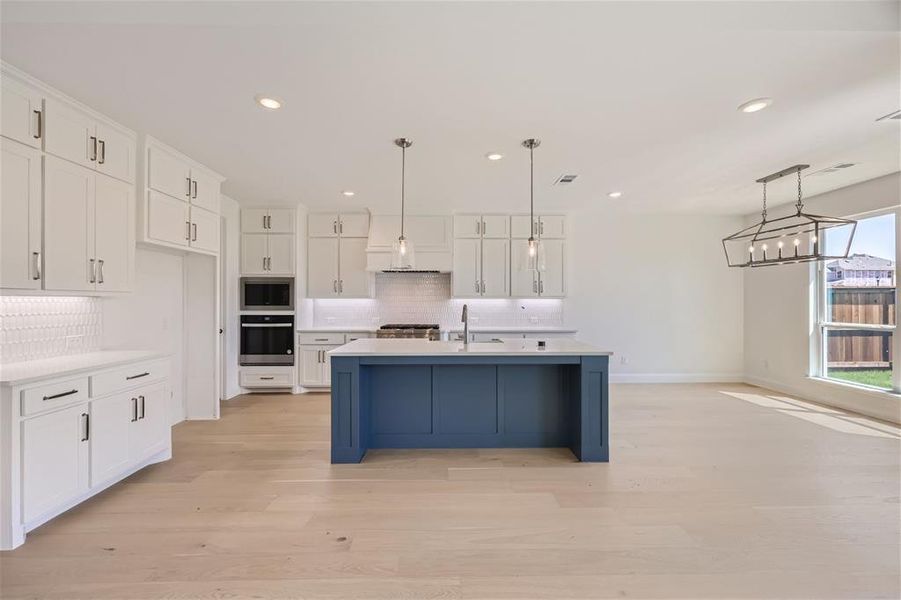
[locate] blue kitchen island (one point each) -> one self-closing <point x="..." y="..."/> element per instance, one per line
<point x="414" y="393"/>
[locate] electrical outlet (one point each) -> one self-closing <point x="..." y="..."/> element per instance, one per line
<point x="74" y="342"/>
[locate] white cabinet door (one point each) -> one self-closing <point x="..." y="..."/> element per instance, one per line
<point x="69" y="133"/>
<point x="281" y="220"/>
<point x="20" y="112"/>
<point x="519" y="227"/>
<point x="322" y="225"/>
<point x="552" y="281"/>
<point x="354" y="225"/>
<point x="115" y="153"/>
<point x="150" y="433"/>
<point x="111" y="423"/>
<point x="495" y="268"/>
<point x="20" y="215"/>
<point x="204" y="190"/>
<point x="354" y="279"/>
<point x="204" y="230"/>
<point x="496" y="226"/>
<point x="169" y="174"/>
<point x="281" y="254"/>
<point x="552" y="227"/>
<point x="467" y="268"/>
<point x="254" y="220"/>
<point x="310" y="365"/>
<point x="322" y="268"/>
<point x="254" y="251"/>
<point x="167" y="219"/>
<point x="467" y="226"/>
<point x="54" y="460"/>
<point x="327" y="365"/>
<point x="68" y="226"/>
<point x="113" y="237"/>
<point x="523" y="282"/>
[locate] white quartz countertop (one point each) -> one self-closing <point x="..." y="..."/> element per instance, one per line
<point x="536" y="329"/>
<point x="60" y="366"/>
<point x="396" y="347"/>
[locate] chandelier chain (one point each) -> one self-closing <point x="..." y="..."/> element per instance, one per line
<point x="800" y="204"/>
<point x="763" y="213"/>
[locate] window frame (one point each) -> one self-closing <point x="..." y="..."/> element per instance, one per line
<point x="822" y="326"/>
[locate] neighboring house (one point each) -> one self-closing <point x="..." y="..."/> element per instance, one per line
<point x="861" y="270"/>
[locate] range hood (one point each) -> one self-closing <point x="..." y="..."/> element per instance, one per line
<point x="432" y="236"/>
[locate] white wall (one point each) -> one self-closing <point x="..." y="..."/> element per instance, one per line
<point x="152" y="317"/>
<point x="778" y="319"/>
<point x="655" y="289"/>
<point x="229" y="261"/>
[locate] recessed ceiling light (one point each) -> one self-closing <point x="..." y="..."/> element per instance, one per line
<point x="614" y="194"/>
<point x="494" y="156"/>
<point x="268" y="102"/>
<point x="348" y="193"/>
<point x="752" y="106"/>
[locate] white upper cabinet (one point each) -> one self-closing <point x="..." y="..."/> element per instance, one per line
<point x="353" y="279"/>
<point x="204" y="230"/>
<point x="544" y="226"/>
<point x="322" y="267"/>
<point x="21" y="112"/>
<point x="467" y="276"/>
<point x="88" y="226"/>
<point x="495" y="268"/>
<point x="523" y="282"/>
<point x="167" y="177"/>
<point x="254" y="253"/>
<point x="116" y="153"/>
<point x="20" y="216"/>
<point x="281" y="254"/>
<point x="335" y="225"/>
<point x="281" y="220"/>
<point x="550" y="283"/>
<point x="113" y="233"/>
<point x="167" y="173"/>
<point x="476" y="226"/>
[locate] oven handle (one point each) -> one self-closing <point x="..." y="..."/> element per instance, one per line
<point x="266" y="325"/>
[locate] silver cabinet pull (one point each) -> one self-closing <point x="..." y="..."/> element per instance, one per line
<point x="194" y="234"/>
<point x="340" y="226"/>
<point x="540" y="227"/>
<point x="477" y="286"/>
<point x="340" y="286"/>
<point x="189" y="187"/>
<point x="540" y="286"/>
<point x="87" y="427"/>
<point x="40" y="132"/>
<point x="138" y="376"/>
<point x="334" y="226"/>
<point x="264" y="222"/>
<point x="320" y="339"/>
<point x="143" y="407"/>
<point x="94" y="148"/>
<point x="534" y="285"/>
<point x="478" y="227"/>
<point x="100" y="270"/>
<point x="60" y="395"/>
<point x="36" y="263"/>
<point x="102" y="152"/>
<point x="93" y="271"/>
<point x="483" y="287"/>
<point x="264" y="263"/>
<point x="188" y="230"/>
<point x="134" y="410"/>
<point x="270" y="378"/>
<point x="335" y="285"/>
<point x="194" y="184"/>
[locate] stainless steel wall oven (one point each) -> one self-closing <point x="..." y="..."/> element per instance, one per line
<point x="267" y="340"/>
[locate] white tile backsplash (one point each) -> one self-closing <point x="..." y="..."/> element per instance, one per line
<point x="426" y="298"/>
<point x="47" y="326"/>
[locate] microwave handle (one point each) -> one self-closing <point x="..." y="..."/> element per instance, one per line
<point x="266" y="325"/>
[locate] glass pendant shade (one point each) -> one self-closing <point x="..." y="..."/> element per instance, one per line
<point x="402" y="254"/>
<point x="534" y="258"/>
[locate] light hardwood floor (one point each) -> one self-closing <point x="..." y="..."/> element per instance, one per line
<point x="713" y="491"/>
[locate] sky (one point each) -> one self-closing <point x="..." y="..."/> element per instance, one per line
<point x="874" y="236"/>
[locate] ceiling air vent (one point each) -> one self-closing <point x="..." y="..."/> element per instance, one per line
<point x="564" y="179"/>
<point x="893" y="115"/>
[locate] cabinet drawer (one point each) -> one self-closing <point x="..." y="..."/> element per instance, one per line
<point x="128" y="376"/>
<point x="277" y="379"/>
<point x="350" y="337"/>
<point x="53" y="395"/>
<point x="320" y="338"/>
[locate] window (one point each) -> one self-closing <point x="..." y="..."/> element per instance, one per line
<point x="858" y="307"/>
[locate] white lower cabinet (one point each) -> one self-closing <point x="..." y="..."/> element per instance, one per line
<point x="78" y="435"/>
<point x="316" y="366"/>
<point x="267" y="377"/>
<point x="55" y="450"/>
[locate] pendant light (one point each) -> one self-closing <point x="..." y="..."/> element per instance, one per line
<point x="402" y="250"/>
<point x="796" y="238"/>
<point x="535" y="256"/>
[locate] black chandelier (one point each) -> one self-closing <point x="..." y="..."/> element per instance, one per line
<point x="796" y="238"/>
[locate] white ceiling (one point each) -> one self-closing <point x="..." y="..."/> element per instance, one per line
<point x="632" y="96"/>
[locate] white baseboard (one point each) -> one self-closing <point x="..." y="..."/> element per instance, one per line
<point x="676" y="378"/>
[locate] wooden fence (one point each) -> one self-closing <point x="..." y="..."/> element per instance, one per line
<point x="861" y="349"/>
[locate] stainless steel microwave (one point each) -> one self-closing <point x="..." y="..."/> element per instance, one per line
<point x="267" y="293"/>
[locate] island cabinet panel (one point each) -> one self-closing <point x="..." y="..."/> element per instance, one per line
<point x="385" y="401"/>
<point x="467" y="399"/>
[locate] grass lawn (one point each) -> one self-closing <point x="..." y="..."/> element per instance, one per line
<point x="881" y="378"/>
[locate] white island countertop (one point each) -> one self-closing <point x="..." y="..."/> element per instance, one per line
<point x="34" y="370"/>
<point x="414" y="347"/>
